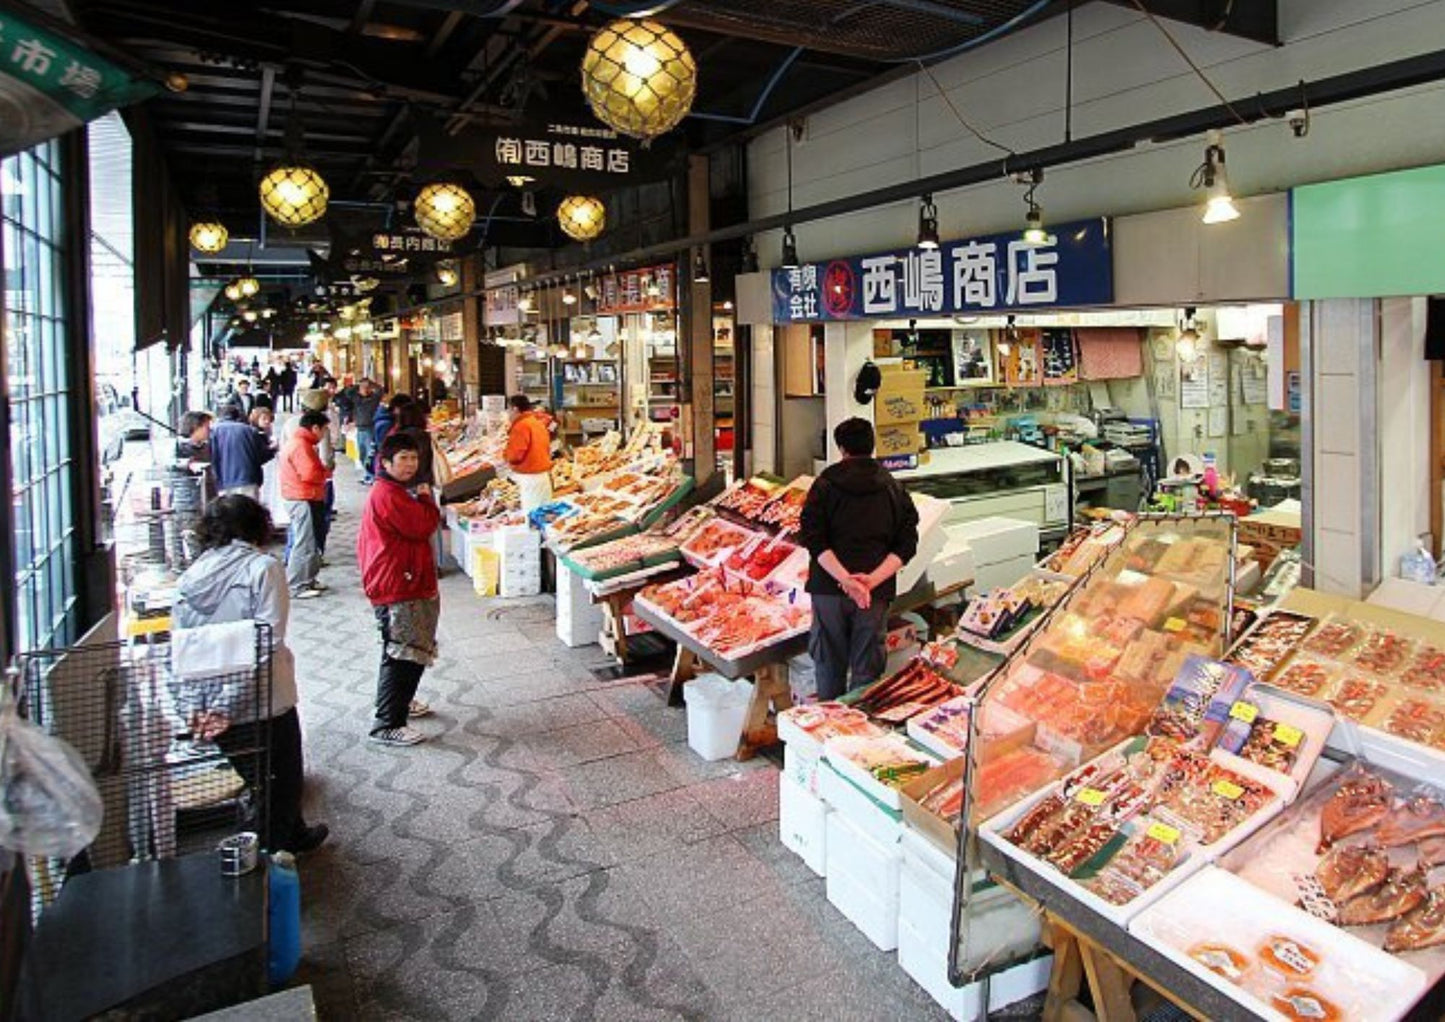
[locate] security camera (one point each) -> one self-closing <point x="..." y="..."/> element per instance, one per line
<point x="1299" y="122"/>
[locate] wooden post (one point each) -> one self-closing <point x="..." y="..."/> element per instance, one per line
<point x="770" y="693"/>
<point x="684" y="669"/>
<point x="699" y="418"/>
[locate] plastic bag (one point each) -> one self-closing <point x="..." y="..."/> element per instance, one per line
<point x="49" y="805"/>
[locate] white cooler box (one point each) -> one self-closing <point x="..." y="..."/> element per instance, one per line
<point x="1004" y="549"/>
<point x="863" y="880"/>
<point x="579" y="622"/>
<point x="803" y="823"/>
<point x="1005" y="928"/>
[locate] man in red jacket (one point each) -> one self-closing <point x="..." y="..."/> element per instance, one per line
<point x="303" y="487"/>
<point x="399" y="575"/>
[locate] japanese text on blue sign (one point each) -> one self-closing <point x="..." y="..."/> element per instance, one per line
<point x="1072" y="267"/>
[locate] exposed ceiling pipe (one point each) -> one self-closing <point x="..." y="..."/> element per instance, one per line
<point x="1351" y="85"/>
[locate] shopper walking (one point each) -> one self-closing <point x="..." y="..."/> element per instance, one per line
<point x="286" y="385"/>
<point x="238" y="452"/>
<point x="318" y="399"/>
<point x="393" y="548"/>
<point x="860" y="527"/>
<point x="303" y="488"/>
<point x="528" y="451"/>
<point x="363" y="412"/>
<point x="234" y="580"/>
<point x="242" y="397"/>
<point x="386" y="417"/>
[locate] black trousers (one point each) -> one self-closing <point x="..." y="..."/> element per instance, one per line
<point x="396" y="684"/>
<point x="846" y="644"/>
<point x="280" y="820"/>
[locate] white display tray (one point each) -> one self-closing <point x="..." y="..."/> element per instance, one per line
<point x="1215" y="906"/>
<point x="992" y="831"/>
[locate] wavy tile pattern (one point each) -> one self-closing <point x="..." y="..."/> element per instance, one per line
<point x="555" y="851"/>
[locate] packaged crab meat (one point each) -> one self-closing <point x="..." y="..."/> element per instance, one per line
<point x="1426" y="669"/>
<point x="715" y="542"/>
<point x="1415" y="720"/>
<point x="1382" y="652"/>
<point x="1306" y="676"/>
<point x="1334" y="638"/>
<point x="1270" y="642"/>
<point x="1146" y="858"/>
<point x="1356" y="696"/>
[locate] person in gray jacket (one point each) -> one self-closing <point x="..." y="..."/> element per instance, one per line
<point x="233" y="579"/>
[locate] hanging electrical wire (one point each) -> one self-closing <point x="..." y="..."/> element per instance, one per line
<point x="1190" y="61"/>
<point x="967" y="127"/>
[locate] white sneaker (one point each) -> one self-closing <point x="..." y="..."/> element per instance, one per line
<point x="319" y="586"/>
<point x="309" y="593"/>
<point x="398" y="736"/>
<point x="418" y="709"/>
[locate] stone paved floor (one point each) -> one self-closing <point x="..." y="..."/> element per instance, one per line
<point x="556" y="851"/>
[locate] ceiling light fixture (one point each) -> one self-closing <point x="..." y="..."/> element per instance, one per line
<point x="1213" y="177"/>
<point x="790" y="249"/>
<point x="233" y="291"/>
<point x="249" y="286"/>
<point x="639" y="78"/>
<point x="445" y="211"/>
<point x="1187" y="343"/>
<point x="700" y="272"/>
<point x="520" y="180"/>
<point x="928" y="224"/>
<point x="293" y="193"/>
<point x="1034" y="232"/>
<point x="582" y="217"/>
<point x="209" y="236"/>
<point x="447" y="274"/>
<point x="525" y="303"/>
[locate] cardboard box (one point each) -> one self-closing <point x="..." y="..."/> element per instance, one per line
<point x="900" y="397"/>
<point x="1270" y="532"/>
<point x="898" y="441"/>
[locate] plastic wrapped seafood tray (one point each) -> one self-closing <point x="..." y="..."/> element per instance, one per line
<point x="1364" y="851"/>
<point x="715" y="542"/>
<point x="1119" y="832"/>
<point x="1273" y="959"/>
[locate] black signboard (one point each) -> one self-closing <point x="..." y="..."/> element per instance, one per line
<point x="387" y="254"/>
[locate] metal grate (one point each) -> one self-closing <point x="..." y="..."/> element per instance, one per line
<point x="165" y="791"/>
<point x="887" y="30"/>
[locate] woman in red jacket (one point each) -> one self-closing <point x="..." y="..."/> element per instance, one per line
<point x="400" y="579"/>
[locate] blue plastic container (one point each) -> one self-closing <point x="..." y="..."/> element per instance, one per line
<point x="284" y="954"/>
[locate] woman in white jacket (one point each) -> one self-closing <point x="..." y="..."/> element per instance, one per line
<point x="235" y="580"/>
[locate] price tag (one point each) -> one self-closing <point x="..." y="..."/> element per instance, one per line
<point x="1246" y="712"/>
<point x="1227" y="789"/>
<point x="1091" y="796"/>
<point x="1288" y="734"/>
<point x="1175" y="624"/>
<point x="1163" y="832"/>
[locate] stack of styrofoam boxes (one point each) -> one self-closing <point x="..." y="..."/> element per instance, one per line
<point x="931" y="538"/>
<point x="863" y="857"/>
<point x="1000" y="926"/>
<point x="520" y="549"/>
<point x="579" y="620"/>
<point x="1004" y="550"/>
<point x="802" y="813"/>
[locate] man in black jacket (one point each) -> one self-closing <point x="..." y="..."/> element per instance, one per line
<point x="861" y="528"/>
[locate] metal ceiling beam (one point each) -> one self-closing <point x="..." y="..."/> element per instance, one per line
<point x="1393" y="76"/>
<point x="448" y="26"/>
<point x="215" y="128"/>
<point x="937" y="10"/>
<point x="1249" y="19"/>
<point x="263" y="112"/>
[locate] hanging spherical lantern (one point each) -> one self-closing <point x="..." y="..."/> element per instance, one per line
<point x="445" y="211"/>
<point x="639" y="78"/>
<point x="233" y="291"/>
<point x="249" y="286"/>
<point x="294" y="195"/>
<point x="447" y="273"/>
<point x="209" y="236"/>
<point x="582" y="217"/>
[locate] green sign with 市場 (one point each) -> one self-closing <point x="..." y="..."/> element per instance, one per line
<point x="50" y="84"/>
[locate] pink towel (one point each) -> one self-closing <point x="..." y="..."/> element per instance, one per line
<point x="1110" y="353"/>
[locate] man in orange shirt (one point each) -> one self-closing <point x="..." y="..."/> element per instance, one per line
<point x="303" y="487"/>
<point x="529" y="453"/>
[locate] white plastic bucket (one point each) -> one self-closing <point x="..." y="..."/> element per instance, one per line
<point x="716" y="709"/>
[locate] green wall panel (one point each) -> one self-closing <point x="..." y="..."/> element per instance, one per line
<point x="1367" y="237"/>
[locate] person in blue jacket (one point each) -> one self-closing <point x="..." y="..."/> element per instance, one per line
<point x="385" y="422"/>
<point x="238" y="450"/>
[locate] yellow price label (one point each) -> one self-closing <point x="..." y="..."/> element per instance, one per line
<point x="1227" y="789"/>
<point x="1091" y="796"/>
<point x="1288" y="734"/>
<point x="1246" y="712"/>
<point x="1163" y="832"/>
<point x="1175" y="624"/>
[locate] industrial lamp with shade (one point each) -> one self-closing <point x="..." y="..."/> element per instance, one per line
<point x="294" y="193"/>
<point x="639" y="78"/>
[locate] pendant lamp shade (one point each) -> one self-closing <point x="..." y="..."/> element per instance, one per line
<point x="582" y="217"/>
<point x="209" y="236"/>
<point x="294" y="195"/>
<point x="639" y="78"/>
<point x="445" y="211"/>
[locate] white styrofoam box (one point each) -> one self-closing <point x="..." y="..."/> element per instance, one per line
<point x="517" y="538"/>
<point x="931" y="539"/>
<point x="512" y="586"/>
<point x="1000" y="574"/>
<point x="952" y="565"/>
<point x="802" y="764"/>
<point x="878" y="821"/>
<point x="863" y="880"/>
<point x="998" y="539"/>
<point x="459" y="549"/>
<point x="930" y="971"/>
<point x="1364" y="981"/>
<point x="802" y="823"/>
<point x="716" y="711"/>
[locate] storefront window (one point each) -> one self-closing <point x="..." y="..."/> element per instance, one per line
<point x="42" y="471"/>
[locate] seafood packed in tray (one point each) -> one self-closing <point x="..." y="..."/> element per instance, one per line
<point x="1356" y="696"/>
<point x="747" y="498"/>
<point x="627" y="552"/>
<point x="1382" y="652"/>
<point x="758" y="559"/>
<point x="727" y="616"/>
<point x="912" y="690"/>
<point x="1426" y="669"/>
<point x="1083" y="548"/>
<point x="887" y="759"/>
<point x="1334" y="638"/>
<point x="574" y="529"/>
<point x="1306" y="676"/>
<point x="1416" y="720"/>
<point x="1270" y="642"/>
<point x="715" y="542"/>
<point x="822" y="721"/>
<point x="785" y="511"/>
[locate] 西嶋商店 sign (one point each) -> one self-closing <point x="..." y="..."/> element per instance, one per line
<point x="998" y="273"/>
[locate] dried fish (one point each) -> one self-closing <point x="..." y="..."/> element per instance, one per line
<point x="1350" y="870"/>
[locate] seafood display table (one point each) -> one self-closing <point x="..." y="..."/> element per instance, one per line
<point x="1089" y="947"/>
<point x="768" y="668"/>
<point x="614" y="594"/>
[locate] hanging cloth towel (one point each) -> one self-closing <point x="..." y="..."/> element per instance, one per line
<point x="1110" y="353"/>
